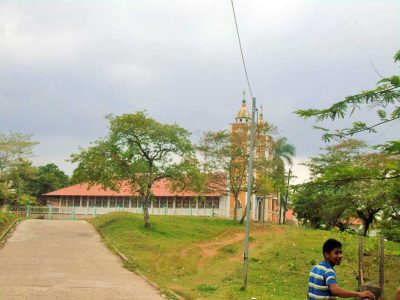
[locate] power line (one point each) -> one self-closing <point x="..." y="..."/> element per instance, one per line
<point x="241" y="50"/>
<point x="383" y="132"/>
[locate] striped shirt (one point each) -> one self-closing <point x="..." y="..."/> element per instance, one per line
<point x="321" y="276"/>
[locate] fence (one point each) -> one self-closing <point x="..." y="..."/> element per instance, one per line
<point x="51" y="212"/>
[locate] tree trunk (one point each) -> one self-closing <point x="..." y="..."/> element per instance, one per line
<point x="243" y="216"/>
<point x="146" y="212"/>
<point x="280" y="209"/>
<point x="367" y="222"/>
<point x="235" y="210"/>
<point x="285" y="201"/>
<point x="340" y="225"/>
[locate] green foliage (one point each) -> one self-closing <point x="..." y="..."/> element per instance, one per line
<point x="5" y="220"/>
<point x="138" y="152"/>
<point x="224" y="155"/>
<point x="368" y="174"/>
<point x="390" y="223"/>
<point x="343" y="185"/>
<point x="16" y="171"/>
<point x="14" y="147"/>
<point x="50" y="178"/>
<point x="225" y="152"/>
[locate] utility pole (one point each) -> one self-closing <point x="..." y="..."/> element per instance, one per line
<point x="249" y="192"/>
<point x="287" y="196"/>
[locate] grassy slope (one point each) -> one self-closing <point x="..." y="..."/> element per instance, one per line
<point x="189" y="256"/>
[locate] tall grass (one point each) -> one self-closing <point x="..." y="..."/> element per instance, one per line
<point x="6" y="220"/>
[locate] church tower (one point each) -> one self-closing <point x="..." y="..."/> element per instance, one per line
<point x="263" y="206"/>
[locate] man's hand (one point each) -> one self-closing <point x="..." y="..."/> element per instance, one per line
<point x="367" y="295"/>
<point x="337" y="291"/>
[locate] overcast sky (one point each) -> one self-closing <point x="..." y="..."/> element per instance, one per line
<point x="64" y="65"/>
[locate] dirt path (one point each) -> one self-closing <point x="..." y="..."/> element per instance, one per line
<point x="65" y="260"/>
<point x="210" y="249"/>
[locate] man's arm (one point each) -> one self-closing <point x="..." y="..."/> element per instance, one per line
<point x="337" y="291"/>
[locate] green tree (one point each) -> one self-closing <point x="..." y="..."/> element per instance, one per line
<point x="15" y="150"/>
<point x="13" y="147"/>
<point x="343" y="184"/>
<point x="50" y="178"/>
<point x="139" y="151"/>
<point x="23" y="178"/>
<point x="225" y="157"/>
<point x="283" y="152"/>
<point x="384" y="99"/>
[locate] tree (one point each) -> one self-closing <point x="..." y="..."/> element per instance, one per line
<point x="12" y="148"/>
<point x="390" y="223"/>
<point x="50" y="178"/>
<point x="282" y="152"/>
<point x="385" y="100"/>
<point x="23" y="178"/>
<point x="15" y="149"/>
<point x="339" y="187"/>
<point x="138" y="152"/>
<point x="224" y="155"/>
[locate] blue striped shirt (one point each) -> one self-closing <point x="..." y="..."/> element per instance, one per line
<point x="321" y="276"/>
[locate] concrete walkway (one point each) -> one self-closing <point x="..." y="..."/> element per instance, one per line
<point x="65" y="260"/>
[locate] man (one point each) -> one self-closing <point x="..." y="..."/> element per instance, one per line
<point x="322" y="283"/>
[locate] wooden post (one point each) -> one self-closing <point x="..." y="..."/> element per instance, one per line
<point x="360" y="264"/>
<point x="382" y="265"/>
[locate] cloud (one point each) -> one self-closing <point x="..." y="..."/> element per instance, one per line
<point x="64" y="65"/>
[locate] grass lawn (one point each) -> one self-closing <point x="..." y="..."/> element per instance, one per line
<point x="201" y="258"/>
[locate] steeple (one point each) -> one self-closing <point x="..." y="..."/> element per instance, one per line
<point x="261" y="117"/>
<point x="243" y="116"/>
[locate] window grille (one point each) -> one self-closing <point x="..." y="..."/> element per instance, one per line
<point x="98" y="202"/>
<point x="126" y="202"/>
<point x="77" y="201"/>
<point x="208" y="202"/>
<point x="163" y="202"/>
<point x="178" y="203"/>
<point x="185" y="202"/>
<point x="201" y="202"/>
<point x="113" y="202"/>
<point x="216" y="202"/>
<point x="170" y="202"/>
<point x="120" y="201"/>
<point x="156" y="202"/>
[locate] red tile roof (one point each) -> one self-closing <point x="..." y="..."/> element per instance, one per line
<point x="160" y="189"/>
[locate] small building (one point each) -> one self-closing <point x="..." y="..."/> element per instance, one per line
<point x="83" y="199"/>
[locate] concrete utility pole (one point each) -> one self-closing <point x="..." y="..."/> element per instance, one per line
<point x="287" y="196"/>
<point x="249" y="192"/>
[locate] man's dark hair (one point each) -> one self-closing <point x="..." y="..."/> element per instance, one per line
<point x="329" y="245"/>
